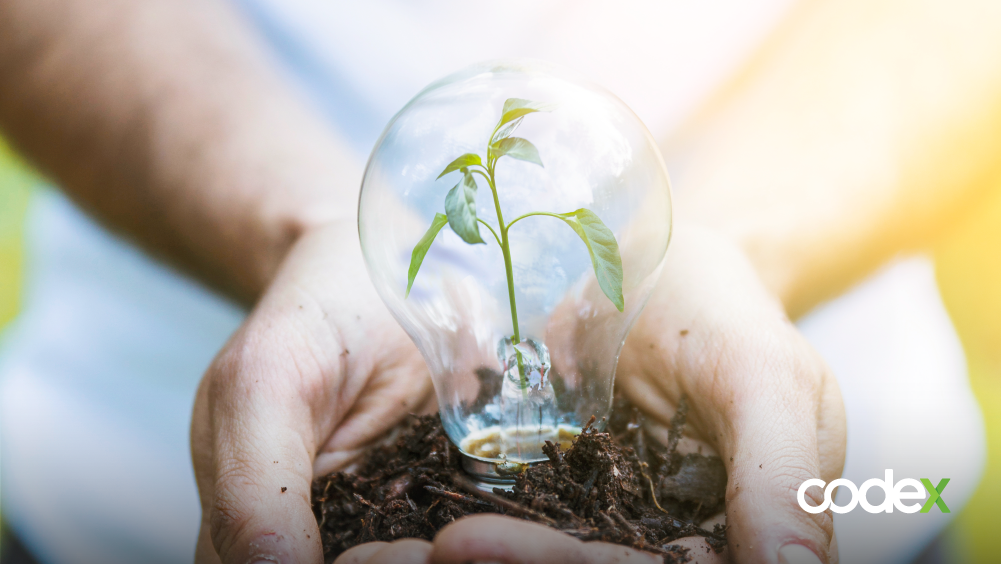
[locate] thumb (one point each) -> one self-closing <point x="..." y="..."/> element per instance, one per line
<point x="253" y="465"/>
<point x="781" y="435"/>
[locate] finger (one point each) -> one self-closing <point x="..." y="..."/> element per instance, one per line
<point x="831" y="430"/>
<point x="361" y="553"/>
<point x="252" y="443"/>
<point x="280" y="384"/>
<point x="771" y="444"/>
<point x="406" y="551"/>
<point x="505" y="540"/>
<point x="769" y="403"/>
<point x="700" y="552"/>
<point x="401" y="387"/>
<point x="388" y="378"/>
<point x="756" y="389"/>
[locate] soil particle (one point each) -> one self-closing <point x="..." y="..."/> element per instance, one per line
<point x="622" y="486"/>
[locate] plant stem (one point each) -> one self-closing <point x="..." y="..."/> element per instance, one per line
<point x="509" y="271"/>
<point x="510" y="285"/>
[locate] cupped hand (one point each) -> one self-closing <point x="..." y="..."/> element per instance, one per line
<point x="317" y="372"/>
<point x="757" y="393"/>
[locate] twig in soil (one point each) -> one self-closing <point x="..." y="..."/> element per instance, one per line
<point x="367" y="503"/>
<point x="500" y="501"/>
<point x="584" y="534"/>
<point x="653" y="495"/>
<point x="624" y="522"/>
<point x="457" y="497"/>
<point x="693" y="529"/>
<point x="608" y="520"/>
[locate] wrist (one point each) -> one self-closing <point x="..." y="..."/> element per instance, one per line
<point x="282" y="196"/>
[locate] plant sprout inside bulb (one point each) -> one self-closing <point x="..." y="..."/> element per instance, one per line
<point x="515" y="219"/>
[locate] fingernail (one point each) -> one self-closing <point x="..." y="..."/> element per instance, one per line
<point x="797" y="554"/>
<point x="269" y="548"/>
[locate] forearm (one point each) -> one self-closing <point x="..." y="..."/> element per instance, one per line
<point x="861" y="130"/>
<point x="166" y="120"/>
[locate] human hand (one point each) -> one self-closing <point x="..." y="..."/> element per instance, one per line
<point x="318" y="371"/>
<point x="757" y="393"/>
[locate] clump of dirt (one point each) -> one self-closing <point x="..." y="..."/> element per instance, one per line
<point x="622" y="486"/>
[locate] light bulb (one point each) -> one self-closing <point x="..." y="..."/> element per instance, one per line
<point x="514" y="218"/>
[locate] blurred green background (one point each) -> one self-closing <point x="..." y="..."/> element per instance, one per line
<point x="16" y="183"/>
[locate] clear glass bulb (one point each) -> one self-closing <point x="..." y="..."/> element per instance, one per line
<point x="544" y="209"/>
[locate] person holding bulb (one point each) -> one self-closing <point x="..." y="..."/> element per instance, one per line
<point x="167" y="121"/>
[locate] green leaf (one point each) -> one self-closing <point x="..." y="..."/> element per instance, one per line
<point x="604" y="251"/>
<point x="460" y="205"/>
<point x="515" y="108"/>
<point x="469" y="159"/>
<point x="517" y="148"/>
<point x="515" y="103"/>
<point x="421" y="250"/>
<point x="507" y="130"/>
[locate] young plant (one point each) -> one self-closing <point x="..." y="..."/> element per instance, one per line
<point x="460" y="213"/>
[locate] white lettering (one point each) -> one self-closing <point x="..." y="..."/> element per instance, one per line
<point x="895" y="495"/>
<point x="899" y="494"/>
<point x="801" y="496"/>
<point x="886" y="485"/>
<point x="829" y="492"/>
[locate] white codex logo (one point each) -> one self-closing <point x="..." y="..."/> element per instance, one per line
<point x="895" y="494"/>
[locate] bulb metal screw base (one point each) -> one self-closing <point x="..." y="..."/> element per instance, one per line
<point x="490" y="474"/>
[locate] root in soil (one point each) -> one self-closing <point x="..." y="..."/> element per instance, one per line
<point x="621" y="486"/>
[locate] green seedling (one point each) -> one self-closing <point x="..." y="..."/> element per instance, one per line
<point x="460" y="212"/>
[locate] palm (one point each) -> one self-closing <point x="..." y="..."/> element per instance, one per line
<point x="318" y="371"/>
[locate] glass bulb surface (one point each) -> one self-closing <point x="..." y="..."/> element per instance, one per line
<point x="571" y="201"/>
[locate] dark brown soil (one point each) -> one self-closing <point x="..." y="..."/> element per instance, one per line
<point x="622" y="486"/>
